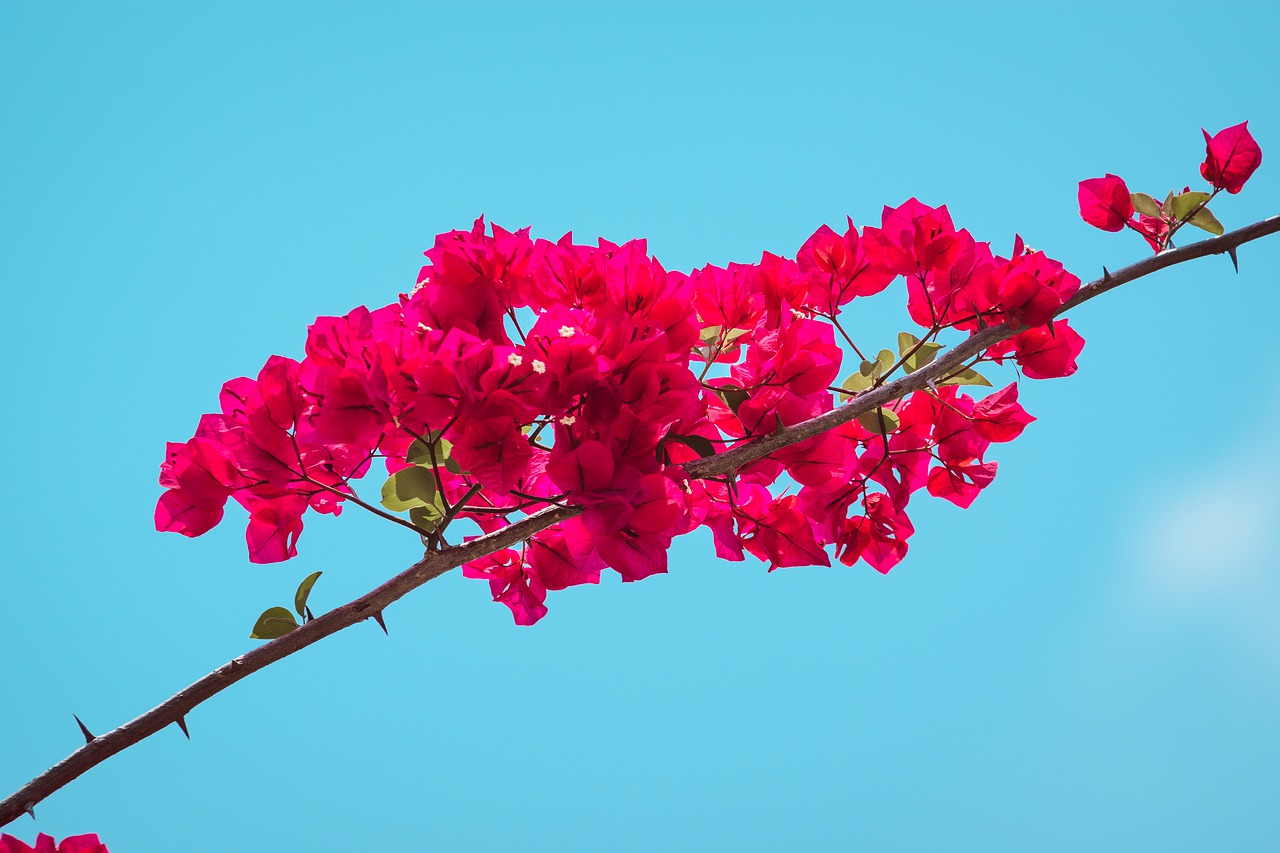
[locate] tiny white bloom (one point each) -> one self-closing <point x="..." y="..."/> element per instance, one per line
<point x="796" y="312"/>
<point x="514" y="360"/>
<point x="538" y="367"/>
<point x="420" y="285"/>
<point x="424" y="327"/>
<point x="566" y="331"/>
<point x="568" y="420"/>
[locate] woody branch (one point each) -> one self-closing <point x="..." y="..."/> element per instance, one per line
<point x="175" y="709"/>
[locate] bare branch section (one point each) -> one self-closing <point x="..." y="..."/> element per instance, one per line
<point x="370" y="606"/>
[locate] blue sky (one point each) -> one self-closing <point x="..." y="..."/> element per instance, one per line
<point x="1087" y="658"/>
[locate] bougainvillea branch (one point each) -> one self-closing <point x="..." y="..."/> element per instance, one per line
<point x="436" y="562"/>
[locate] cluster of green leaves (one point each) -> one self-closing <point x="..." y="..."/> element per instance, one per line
<point x="416" y="489"/>
<point x="278" y="621"/>
<point x="913" y="354"/>
<point x="1189" y="207"/>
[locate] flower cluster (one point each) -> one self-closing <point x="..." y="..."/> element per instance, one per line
<point x="519" y="374"/>
<point x="1231" y="157"/>
<point x="45" y="844"/>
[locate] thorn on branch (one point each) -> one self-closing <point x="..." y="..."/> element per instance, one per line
<point x="30" y="808"/>
<point x="1235" y="262"/>
<point x="84" y="730"/>
<point x="1106" y="274"/>
<point x="182" y="724"/>
<point x="377" y="617"/>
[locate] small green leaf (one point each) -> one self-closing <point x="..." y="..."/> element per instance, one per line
<point x="710" y="334"/>
<point x="1187" y="202"/>
<point x="408" y="488"/>
<point x="855" y="384"/>
<point x="1206" y="221"/>
<point x="421" y="453"/>
<point x="906" y="341"/>
<point x="923" y="356"/>
<point x="885" y="360"/>
<point x="427" y="517"/>
<point x="304" y="590"/>
<point x="274" y="622"/>
<point x="697" y="443"/>
<point x="968" y="376"/>
<point x="879" y="421"/>
<point x="733" y="396"/>
<point x="1145" y="204"/>
<point x="1166" y="206"/>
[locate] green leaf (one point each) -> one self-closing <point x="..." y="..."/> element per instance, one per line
<point x="697" y="443"/>
<point x="1187" y="202"/>
<point x="906" y="341"/>
<point x="1145" y="204"/>
<point x="408" y="488"/>
<point x="857" y="383"/>
<point x="427" y="517"/>
<point x="304" y="590"/>
<point x="968" y="376"/>
<point x="923" y="356"/>
<point x="1206" y="221"/>
<point x="1166" y="206"/>
<point x="880" y="421"/>
<point x="733" y="396"/>
<point x="274" y="622"/>
<point x="420" y="452"/>
<point x="885" y="360"/>
<point x="710" y="334"/>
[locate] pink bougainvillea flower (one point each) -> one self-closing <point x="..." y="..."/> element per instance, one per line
<point x="961" y="481"/>
<point x="511" y="583"/>
<point x="999" y="416"/>
<point x="879" y="536"/>
<point x="274" y="526"/>
<point x="1048" y="352"/>
<point x="45" y="844"/>
<point x="839" y="269"/>
<point x="1105" y="202"/>
<point x="784" y="537"/>
<point x="1154" y="229"/>
<point x="1231" y="157"/>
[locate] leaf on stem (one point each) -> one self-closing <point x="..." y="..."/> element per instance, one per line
<point x="1206" y="221"/>
<point x="1145" y="204"/>
<point x="274" y="622"/>
<point x="880" y="421"/>
<point x="304" y="590"/>
<point x="968" y="376"/>
<point x="1186" y="202"/>
<point x="409" y="488"/>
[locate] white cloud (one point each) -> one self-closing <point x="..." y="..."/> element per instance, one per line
<point x="1208" y="545"/>
<point x="1204" y="538"/>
